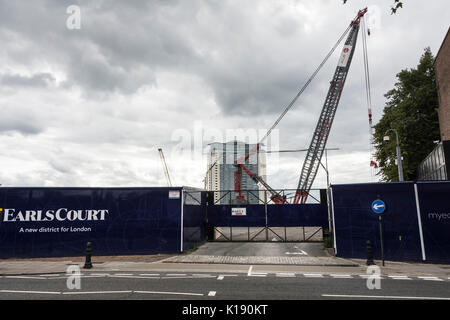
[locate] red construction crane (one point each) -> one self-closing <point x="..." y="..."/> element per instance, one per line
<point x="275" y="196"/>
<point x="321" y="133"/>
<point x="166" y="171"/>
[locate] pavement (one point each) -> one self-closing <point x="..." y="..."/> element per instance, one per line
<point x="227" y="258"/>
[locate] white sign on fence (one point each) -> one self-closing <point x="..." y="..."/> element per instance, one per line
<point x="238" y="211"/>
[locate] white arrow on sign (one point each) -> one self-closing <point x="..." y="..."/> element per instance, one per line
<point x="376" y="206"/>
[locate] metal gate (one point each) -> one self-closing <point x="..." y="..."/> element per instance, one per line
<point x="268" y="234"/>
<point x="260" y="220"/>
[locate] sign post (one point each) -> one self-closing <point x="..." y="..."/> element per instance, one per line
<point x="380" y="220"/>
<point x="378" y="206"/>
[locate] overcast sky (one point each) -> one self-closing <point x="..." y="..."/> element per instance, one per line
<point x="90" y="106"/>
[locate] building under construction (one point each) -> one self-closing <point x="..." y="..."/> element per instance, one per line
<point x="221" y="172"/>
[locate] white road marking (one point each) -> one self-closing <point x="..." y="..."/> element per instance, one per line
<point x="382" y="297"/>
<point x="399" y="277"/>
<point x="181" y="277"/>
<point x="431" y="278"/>
<point x="177" y="293"/>
<point x="220" y="277"/>
<point x="303" y="253"/>
<point x="255" y="274"/>
<point x="96" y="292"/>
<point x="149" y="274"/>
<point x="123" y="274"/>
<point x="313" y="275"/>
<point x="176" y="274"/>
<point x="211" y="294"/>
<point x="25" y="277"/>
<point x="133" y="277"/>
<point x="285" y="274"/>
<point x="37" y="292"/>
<point x="346" y="276"/>
<point x="65" y="277"/>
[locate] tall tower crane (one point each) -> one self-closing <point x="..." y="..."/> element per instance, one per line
<point x="166" y="171"/>
<point x="321" y="133"/>
<point x="322" y="130"/>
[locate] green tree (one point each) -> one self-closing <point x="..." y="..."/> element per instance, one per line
<point x="411" y="109"/>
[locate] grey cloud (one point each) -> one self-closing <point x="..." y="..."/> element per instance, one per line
<point x="37" y="80"/>
<point x="122" y="45"/>
<point x="18" y="124"/>
<point x="20" y="119"/>
<point x="249" y="57"/>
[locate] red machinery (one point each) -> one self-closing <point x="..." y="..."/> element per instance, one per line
<point x="275" y="196"/>
<point x="321" y="133"/>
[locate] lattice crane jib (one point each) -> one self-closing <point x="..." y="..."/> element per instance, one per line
<point x="322" y="130"/>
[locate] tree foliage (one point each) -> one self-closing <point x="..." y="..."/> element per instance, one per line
<point x="411" y="109"/>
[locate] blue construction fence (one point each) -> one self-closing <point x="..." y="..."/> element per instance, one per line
<point x="52" y="222"/>
<point x="415" y="221"/>
<point x="270" y="215"/>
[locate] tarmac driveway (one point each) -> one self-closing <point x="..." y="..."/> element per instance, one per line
<point x="263" y="249"/>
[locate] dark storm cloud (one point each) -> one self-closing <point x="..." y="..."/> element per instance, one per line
<point x="122" y="45"/>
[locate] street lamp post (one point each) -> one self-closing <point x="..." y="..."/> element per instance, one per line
<point x="399" y="154"/>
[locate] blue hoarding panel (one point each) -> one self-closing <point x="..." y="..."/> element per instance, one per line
<point x="293" y="215"/>
<point x="194" y="219"/>
<point x="289" y="215"/>
<point x="221" y="216"/>
<point x="48" y="222"/>
<point x="355" y="221"/>
<point x="434" y="199"/>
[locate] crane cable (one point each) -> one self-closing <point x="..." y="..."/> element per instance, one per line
<point x="368" y="94"/>
<point x="305" y="85"/>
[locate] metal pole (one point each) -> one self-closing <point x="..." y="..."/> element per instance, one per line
<point x="326" y="164"/>
<point x="265" y="209"/>
<point x="399" y="155"/>
<point x="380" y="219"/>
<point x="399" y="159"/>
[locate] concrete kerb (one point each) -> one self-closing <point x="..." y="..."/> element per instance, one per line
<point x="28" y="267"/>
<point x="258" y="260"/>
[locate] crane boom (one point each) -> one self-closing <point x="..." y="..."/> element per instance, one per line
<point x="166" y="171"/>
<point x="275" y="196"/>
<point x="321" y="133"/>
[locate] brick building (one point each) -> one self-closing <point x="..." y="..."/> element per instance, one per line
<point x="442" y="67"/>
<point x="436" y="165"/>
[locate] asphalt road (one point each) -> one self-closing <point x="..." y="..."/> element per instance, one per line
<point x="213" y="286"/>
<point x="266" y="249"/>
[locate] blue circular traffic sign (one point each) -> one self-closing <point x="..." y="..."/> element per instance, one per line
<point x="378" y="206"/>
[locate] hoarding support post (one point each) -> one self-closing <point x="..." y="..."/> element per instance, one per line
<point x="370" y="261"/>
<point x="88" y="263"/>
